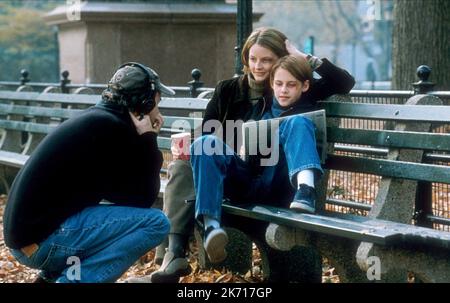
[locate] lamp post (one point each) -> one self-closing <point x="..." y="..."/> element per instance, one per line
<point x="244" y="28"/>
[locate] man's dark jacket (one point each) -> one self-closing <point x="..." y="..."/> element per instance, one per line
<point x="94" y="156"/>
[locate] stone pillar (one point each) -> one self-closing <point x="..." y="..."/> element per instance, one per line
<point x="171" y="38"/>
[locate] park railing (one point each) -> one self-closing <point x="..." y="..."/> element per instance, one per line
<point x="193" y="88"/>
<point x="348" y="192"/>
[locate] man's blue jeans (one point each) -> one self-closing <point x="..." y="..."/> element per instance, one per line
<point x="225" y="174"/>
<point x="105" y="240"/>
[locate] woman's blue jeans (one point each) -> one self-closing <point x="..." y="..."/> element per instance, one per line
<point x="98" y="244"/>
<point x="225" y="174"/>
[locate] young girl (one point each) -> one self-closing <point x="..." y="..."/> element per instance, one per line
<point x="290" y="78"/>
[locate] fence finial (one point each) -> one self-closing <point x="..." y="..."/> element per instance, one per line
<point x="64" y="81"/>
<point x="423" y="86"/>
<point x="24" y="77"/>
<point x="196" y="83"/>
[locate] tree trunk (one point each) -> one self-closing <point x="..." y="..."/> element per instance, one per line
<point x="421" y="35"/>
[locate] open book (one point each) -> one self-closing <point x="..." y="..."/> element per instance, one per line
<point x="259" y="137"/>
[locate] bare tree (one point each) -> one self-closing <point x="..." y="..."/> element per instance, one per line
<point x="354" y="22"/>
<point x="381" y="31"/>
<point x="336" y="23"/>
<point x="331" y="21"/>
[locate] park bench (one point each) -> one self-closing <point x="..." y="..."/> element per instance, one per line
<point x="346" y="239"/>
<point x="386" y="237"/>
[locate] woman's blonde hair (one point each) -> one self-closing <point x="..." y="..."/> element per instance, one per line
<point x="297" y="67"/>
<point x="269" y="38"/>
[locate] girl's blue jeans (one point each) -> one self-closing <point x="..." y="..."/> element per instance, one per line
<point x="225" y="174"/>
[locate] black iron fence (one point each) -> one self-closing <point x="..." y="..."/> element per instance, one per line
<point x="193" y="88"/>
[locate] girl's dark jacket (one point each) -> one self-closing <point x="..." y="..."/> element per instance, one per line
<point x="231" y="97"/>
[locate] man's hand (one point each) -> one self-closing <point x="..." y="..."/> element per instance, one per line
<point x="145" y="124"/>
<point x="156" y="118"/>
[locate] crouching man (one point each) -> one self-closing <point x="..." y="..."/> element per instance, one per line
<point x="53" y="219"/>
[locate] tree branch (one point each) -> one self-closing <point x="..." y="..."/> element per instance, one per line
<point x="354" y="29"/>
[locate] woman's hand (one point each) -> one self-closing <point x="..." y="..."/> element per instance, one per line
<point x="292" y="50"/>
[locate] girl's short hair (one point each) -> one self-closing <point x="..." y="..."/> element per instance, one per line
<point x="296" y="66"/>
<point x="269" y="38"/>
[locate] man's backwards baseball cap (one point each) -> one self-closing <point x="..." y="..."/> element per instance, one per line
<point x="134" y="78"/>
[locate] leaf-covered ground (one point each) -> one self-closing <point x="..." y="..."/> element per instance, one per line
<point x="12" y="271"/>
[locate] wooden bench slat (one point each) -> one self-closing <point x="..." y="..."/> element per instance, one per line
<point x="18" y="96"/>
<point x="408" y="233"/>
<point x="182" y="122"/>
<point x="192" y="104"/>
<point x="390" y="168"/>
<point x="315" y="223"/>
<point x="342" y="225"/>
<point x="430" y="157"/>
<point x="50" y="97"/>
<point x="434" y="113"/>
<point x="27" y="126"/>
<point x="38" y="111"/>
<point x="82" y="99"/>
<point x="164" y="143"/>
<point x="12" y="159"/>
<point x="401" y="139"/>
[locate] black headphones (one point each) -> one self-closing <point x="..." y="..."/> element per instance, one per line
<point x="142" y="103"/>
